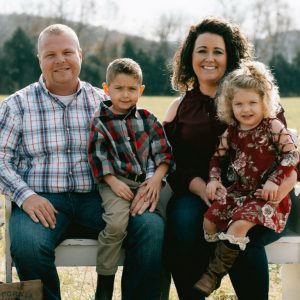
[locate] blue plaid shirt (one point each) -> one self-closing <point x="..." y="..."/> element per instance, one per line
<point x="43" y="143"/>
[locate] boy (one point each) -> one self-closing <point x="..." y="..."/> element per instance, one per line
<point x="122" y="140"/>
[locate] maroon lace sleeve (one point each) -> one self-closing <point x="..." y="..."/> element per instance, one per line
<point x="289" y="156"/>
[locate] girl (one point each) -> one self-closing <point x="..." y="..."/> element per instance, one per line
<point x="262" y="154"/>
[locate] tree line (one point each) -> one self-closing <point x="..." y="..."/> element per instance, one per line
<point x="19" y="65"/>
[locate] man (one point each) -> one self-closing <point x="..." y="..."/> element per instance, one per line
<point x="44" y="170"/>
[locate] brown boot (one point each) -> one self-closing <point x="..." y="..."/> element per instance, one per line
<point x="217" y="269"/>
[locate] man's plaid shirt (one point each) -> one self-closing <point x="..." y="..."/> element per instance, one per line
<point x="43" y="143"/>
<point x="123" y="145"/>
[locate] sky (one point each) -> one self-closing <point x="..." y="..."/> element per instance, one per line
<point x="141" y="17"/>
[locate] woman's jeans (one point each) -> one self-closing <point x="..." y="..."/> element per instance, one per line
<point x="188" y="253"/>
<point x="32" y="245"/>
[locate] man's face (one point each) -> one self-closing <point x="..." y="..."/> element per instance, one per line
<point x="60" y="61"/>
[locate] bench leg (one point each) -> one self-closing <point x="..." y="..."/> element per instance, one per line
<point x="290" y="281"/>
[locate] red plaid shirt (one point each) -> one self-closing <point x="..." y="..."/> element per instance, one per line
<point x="122" y="145"/>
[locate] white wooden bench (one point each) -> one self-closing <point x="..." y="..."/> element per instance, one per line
<point x="286" y="251"/>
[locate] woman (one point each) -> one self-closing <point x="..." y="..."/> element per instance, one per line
<point x="211" y="49"/>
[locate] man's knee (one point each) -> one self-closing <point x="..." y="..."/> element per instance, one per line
<point x="149" y="226"/>
<point x="27" y="245"/>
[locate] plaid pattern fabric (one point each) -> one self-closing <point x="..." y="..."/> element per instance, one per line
<point x="43" y="143"/>
<point x="124" y="144"/>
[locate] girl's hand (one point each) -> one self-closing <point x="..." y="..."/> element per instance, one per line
<point x="283" y="190"/>
<point x="269" y="191"/>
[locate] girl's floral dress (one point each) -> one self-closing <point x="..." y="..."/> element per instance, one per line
<point x="255" y="157"/>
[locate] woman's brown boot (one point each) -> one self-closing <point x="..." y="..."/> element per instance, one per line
<point x="217" y="269"/>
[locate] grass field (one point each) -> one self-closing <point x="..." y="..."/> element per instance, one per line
<point x="79" y="283"/>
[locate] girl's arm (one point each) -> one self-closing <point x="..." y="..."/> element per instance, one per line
<point x="289" y="154"/>
<point x="281" y="180"/>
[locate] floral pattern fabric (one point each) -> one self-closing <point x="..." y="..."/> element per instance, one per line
<point x="256" y="156"/>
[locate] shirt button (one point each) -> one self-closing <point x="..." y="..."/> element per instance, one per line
<point x="128" y="138"/>
<point x="68" y="128"/>
<point x="68" y="150"/>
<point x="70" y="173"/>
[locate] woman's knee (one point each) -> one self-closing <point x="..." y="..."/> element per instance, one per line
<point x="185" y="219"/>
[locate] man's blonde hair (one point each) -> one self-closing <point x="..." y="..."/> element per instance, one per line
<point x="250" y="75"/>
<point x="57" y="29"/>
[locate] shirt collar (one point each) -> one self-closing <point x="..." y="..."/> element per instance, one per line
<point x="43" y="85"/>
<point x="105" y="111"/>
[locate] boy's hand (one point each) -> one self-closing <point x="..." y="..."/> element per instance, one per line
<point x="120" y="188"/>
<point x="147" y="196"/>
<point x="151" y="191"/>
<point x="211" y="190"/>
<point x="140" y="203"/>
<point x="269" y="191"/>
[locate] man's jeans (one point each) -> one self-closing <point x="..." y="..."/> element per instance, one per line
<point x="32" y="245"/>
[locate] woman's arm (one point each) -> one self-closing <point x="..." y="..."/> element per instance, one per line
<point x="172" y="110"/>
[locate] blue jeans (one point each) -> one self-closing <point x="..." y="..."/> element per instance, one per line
<point x="32" y="245"/>
<point x="188" y="253"/>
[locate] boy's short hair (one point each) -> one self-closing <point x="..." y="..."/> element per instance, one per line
<point x="123" y="66"/>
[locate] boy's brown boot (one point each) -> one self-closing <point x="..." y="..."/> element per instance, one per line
<point x="217" y="269"/>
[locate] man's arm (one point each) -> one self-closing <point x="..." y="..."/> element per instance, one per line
<point x="11" y="183"/>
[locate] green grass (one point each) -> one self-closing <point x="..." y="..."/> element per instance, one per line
<point x="79" y="283"/>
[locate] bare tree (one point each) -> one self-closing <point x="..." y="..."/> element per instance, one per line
<point x="272" y="19"/>
<point x="269" y="19"/>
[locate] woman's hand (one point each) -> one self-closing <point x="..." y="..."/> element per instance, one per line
<point x="198" y="187"/>
<point x="215" y="190"/>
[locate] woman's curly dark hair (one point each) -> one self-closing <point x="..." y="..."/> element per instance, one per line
<point x="238" y="48"/>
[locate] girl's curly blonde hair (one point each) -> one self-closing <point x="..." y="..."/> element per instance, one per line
<point x="250" y="75"/>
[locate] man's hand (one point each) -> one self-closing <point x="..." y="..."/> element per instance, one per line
<point x="40" y="210"/>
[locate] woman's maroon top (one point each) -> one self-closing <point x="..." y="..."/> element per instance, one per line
<point x="193" y="135"/>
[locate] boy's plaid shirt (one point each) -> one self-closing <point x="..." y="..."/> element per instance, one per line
<point x="43" y="143"/>
<point x="124" y="144"/>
